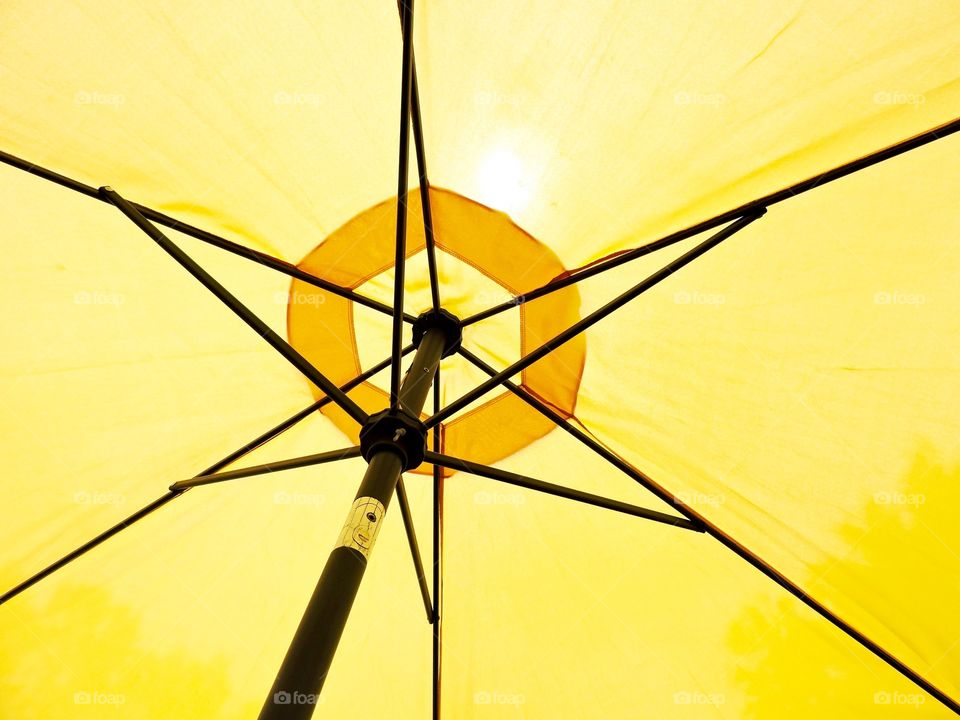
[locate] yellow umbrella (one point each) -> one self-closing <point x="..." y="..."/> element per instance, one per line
<point x="676" y="304"/>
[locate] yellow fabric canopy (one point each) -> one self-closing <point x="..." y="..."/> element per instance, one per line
<point x="797" y="385"/>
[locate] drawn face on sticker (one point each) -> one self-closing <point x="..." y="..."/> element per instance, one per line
<point x="362" y="537"/>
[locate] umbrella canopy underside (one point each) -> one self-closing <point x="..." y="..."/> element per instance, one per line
<point x="796" y="386"/>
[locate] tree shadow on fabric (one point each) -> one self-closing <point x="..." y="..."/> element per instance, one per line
<point x="900" y="570"/>
<point x="82" y="655"/>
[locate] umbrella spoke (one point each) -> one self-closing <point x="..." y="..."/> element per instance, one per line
<point x="414" y="547"/>
<point x="530" y="483"/>
<point x="271" y="467"/>
<point x="430" y="239"/>
<point x="437" y="443"/>
<point x="406" y="23"/>
<point x="90" y="544"/>
<point x="593" y="318"/>
<point x="241" y="310"/>
<point x="725" y="539"/>
<point x="417" y="119"/>
<point x="745" y="209"/>
<point x="574" y="277"/>
<point x="171" y="494"/>
<point x="256" y="256"/>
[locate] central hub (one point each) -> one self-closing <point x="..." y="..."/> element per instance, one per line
<point x="445" y="321"/>
<point x="395" y="431"/>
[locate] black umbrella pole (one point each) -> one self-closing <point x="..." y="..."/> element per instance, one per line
<point x="296" y="690"/>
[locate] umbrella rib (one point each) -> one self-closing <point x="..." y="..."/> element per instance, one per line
<point x="493" y="473"/>
<point x="89" y="545"/>
<point x="437" y="442"/>
<point x="718" y="534"/>
<point x="594" y="317"/>
<point x="171" y="494"/>
<point x="417" y="119"/>
<point x="430" y="238"/>
<point x="810" y="183"/>
<point x="406" y="23"/>
<point x="270" y="467"/>
<point x="408" y="528"/>
<point x="241" y="310"/>
<point x="562" y="282"/>
<point x="210" y="238"/>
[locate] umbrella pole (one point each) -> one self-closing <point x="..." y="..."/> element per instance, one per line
<point x="392" y="441"/>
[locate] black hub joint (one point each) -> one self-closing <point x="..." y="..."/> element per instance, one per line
<point x="444" y="320"/>
<point x="396" y="431"/>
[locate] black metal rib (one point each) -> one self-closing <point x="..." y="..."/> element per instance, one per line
<point x="437" y="586"/>
<point x="89" y="545"/>
<point x="718" y="534"/>
<point x="408" y="528"/>
<point x="170" y="495"/>
<point x="245" y="252"/>
<point x="430" y="239"/>
<point x="241" y="310"/>
<point x="417" y="119"/>
<point x="750" y="207"/>
<point x="530" y="483"/>
<point x="270" y="467"/>
<point x="400" y="257"/>
<point x="593" y="318"/>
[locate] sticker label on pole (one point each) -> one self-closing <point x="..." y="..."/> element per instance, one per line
<point x="363" y="524"/>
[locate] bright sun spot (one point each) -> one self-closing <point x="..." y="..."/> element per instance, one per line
<point x="502" y="183"/>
